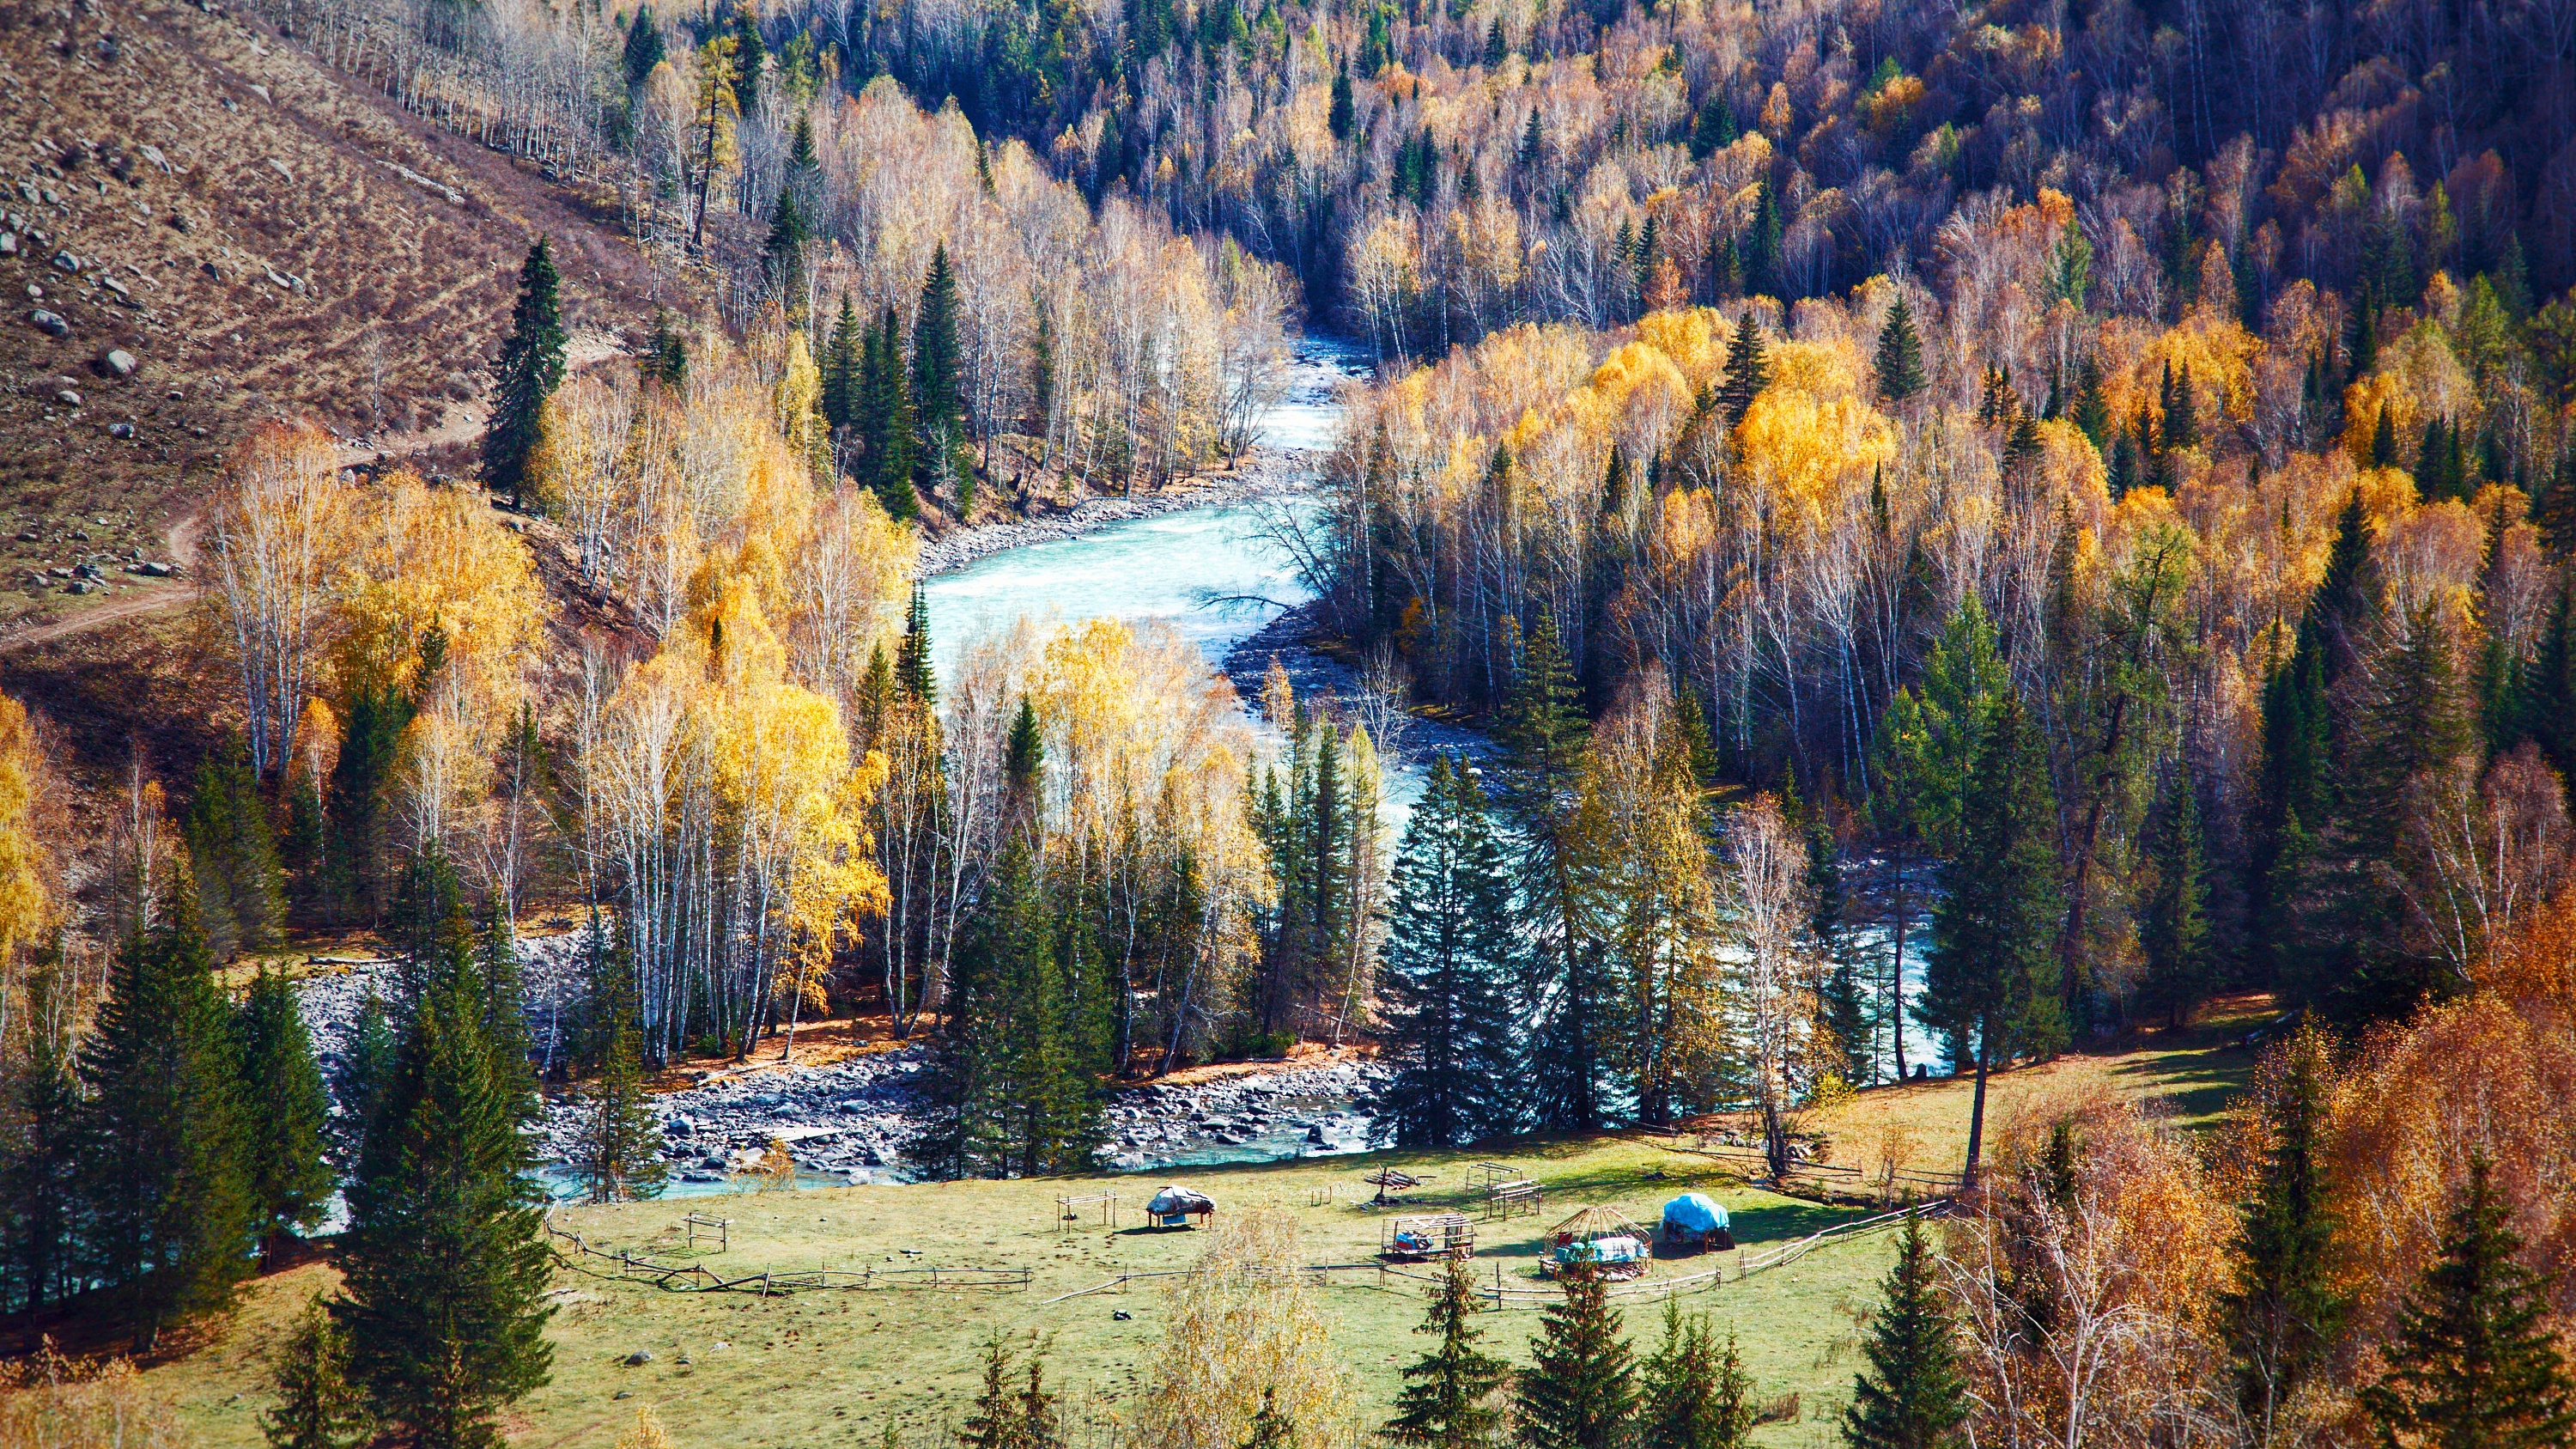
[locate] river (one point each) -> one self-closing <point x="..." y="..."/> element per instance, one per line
<point x="849" y="1119"/>
<point x="1165" y="566"/>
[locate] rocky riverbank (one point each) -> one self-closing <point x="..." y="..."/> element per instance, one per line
<point x="852" y="1120"/>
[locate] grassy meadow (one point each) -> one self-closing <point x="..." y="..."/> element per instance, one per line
<point x="824" y="1368"/>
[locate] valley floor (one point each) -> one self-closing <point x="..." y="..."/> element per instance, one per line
<point x="819" y="1368"/>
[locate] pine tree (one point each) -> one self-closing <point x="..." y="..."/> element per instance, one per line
<point x="2174" y="934"/>
<point x="232" y="854"/>
<point x="2383" y="440"/>
<point x="171" y="1216"/>
<point x="1991" y="975"/>
<point x="1746" y="372"/>
<point x="1340" y="117"/>
<point x="317" y="1406"/>
<point x="444" y="1264"/>
<point x="1913" y="1395"/>
<point x="531" y="366"/>
<point x="287" y="1127"/>
<point x="644" y="49"/>
<point x="1580" y="1390"/>
<point x="1442" y="970"/>
<point x="2474" y="1365"/>
<point x="1697" y="1395"/>
<point x="1447" y="1398"/>
<point x="618" y="1154"/>
<point x="2283" y="1312"/>
<point x="1900" y="354"/>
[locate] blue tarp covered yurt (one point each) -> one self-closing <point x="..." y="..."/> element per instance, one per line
<point x="1698" y="1220"/>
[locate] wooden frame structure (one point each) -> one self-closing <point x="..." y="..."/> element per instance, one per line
<point x="1590" y="1225"/>
<point x="1512" y="1199"/>
<point x="1436" y="1235"/>
<point x="1069" y="1210"/>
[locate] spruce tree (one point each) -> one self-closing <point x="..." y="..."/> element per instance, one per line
<point x="2282" y="1312"/>
<point x="843" y="370"/>
<point x="993" y="1421"/>
<point x="365" y="1065"/>
<point x="1541" y="732"/>
<point x="1339" y="116"/>
<point x="1900" y="354"/>
<point x="666" y="355"/>
<point x="1442" y="971"/>
<point x="750" y="56"/>
<point x="644" y="49"/>
<point x="2174" y="933"/>
<point x="531" y="366"/>
<point x="40" y="1178"/>
<point x="1845" y="1008"/>
<point x="2383" y="440"/>
<point x="1448" y="1393"/>
<point x="317" y="1406"/>
<point x="1696" y="1394"/>
<point x="1913" y="1395"/>
<point x="888" y="426"/>
<point x="170" y="1213"/>
<point x="783" y="253"/>
<point x="1746" y="372"/>
<point x="1580" y="1390"/>
<point x="232" y="854"/>
<point x="1992" y="971"/>
<point x="445" y="1264"/>
<point x="937" y="360"/>
<point x="289" y="1120"/>
<point x="912" y="672"/>
<point x="618" y="1153"/>
<point x="2474" y="1365"/>
<point x="2554" y="511"/>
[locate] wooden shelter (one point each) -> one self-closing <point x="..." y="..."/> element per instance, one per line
<point x="1175" y="1205"/>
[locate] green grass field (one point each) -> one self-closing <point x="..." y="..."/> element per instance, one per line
<point x="818" y="1369"/>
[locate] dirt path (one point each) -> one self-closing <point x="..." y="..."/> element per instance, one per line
<point x="179" y="546"/>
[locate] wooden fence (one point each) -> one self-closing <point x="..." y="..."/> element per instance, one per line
<point x="1503" y="1293"/>
<point x="698" y="1278"/>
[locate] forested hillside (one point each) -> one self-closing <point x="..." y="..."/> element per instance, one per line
<point x="1982" y="527"/>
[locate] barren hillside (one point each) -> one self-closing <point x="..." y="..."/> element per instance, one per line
<point x="260" y="239"/>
